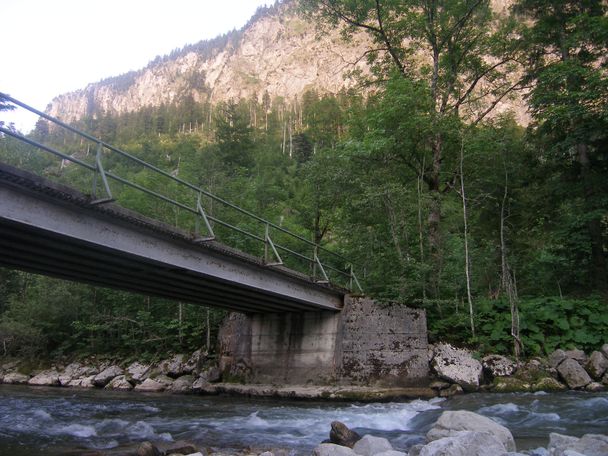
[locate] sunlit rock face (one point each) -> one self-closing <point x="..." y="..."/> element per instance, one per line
<point x="279" y="53"/>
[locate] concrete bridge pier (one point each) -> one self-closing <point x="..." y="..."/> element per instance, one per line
<point x="366" y="344"/>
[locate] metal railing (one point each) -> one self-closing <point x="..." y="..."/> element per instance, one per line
<point x="335" y="269"/>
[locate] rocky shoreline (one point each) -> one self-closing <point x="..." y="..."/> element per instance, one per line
<point x="454" y="371"/>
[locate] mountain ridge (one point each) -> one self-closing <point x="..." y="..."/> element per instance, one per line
<point x="277" y="52"/>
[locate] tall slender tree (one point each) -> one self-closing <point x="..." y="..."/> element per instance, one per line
<point x="456" y="48"/>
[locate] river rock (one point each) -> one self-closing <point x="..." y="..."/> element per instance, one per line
<point x="577" y="355"/>
<point x="465" y="443"/>
<point x="588" y="445"/>
<point x="104" y="377"/>
<point x="597" y="365"/>
<point x="147" y="449"/>
<point x="74" y="371"/>
<point x="331" y="449"/>
<point x="150" y="386"/>
<point x="457" y="366"/>
<point x="138" y="371"/>
<point x="369" y="445"/>
<point x="556" y="358"/>
<point x="179" y="447"/>
<point x="15" y="378"/>
<point x="195" y="362"/>
<point x="573" y="374"/>
<point x="498" y="366"/>
<point x="548" y="384"/>
<point x="199" y="385"/>
<point x="211" y="374"/>
<point x="604" y="350"/>
<point x="173" y="367"/>
<point x="182" y="384"/>
<point x="451" y="423"/>
<point x="391" y="453"/>
<point x="594" y="387"/>
<point x="340" y="434"/>
<point x="453" y="390"/>
<point x="46" y="378"/>
<point x="83" y="382"/>
<point x="119" y="383"/>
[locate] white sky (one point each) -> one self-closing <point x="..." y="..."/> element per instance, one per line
<point x="50" y="47"/>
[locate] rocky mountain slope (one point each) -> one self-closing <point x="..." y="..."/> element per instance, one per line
<point x="278" y="52"/>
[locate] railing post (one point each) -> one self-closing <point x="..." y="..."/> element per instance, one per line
<point x="99" y="169"/>
<point x="203" y="215"/>
<point x="268" y="243"/>
<point x="317" y="262"/>
<point x="354" y="280"/>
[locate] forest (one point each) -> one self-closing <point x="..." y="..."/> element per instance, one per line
<point x="499" y="230"/>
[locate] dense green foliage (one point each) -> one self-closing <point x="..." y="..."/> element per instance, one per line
<point x="383" y="178"/>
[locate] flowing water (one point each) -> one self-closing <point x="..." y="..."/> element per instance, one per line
<point x="54" y="420"/>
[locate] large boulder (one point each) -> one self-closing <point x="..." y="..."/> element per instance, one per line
<point x="340" y="434"/>
<point x="369" y="445"/>
<point x="457" y="366"/>
<point x="138" y="372"/>
<point x="15" y="378"/>
<point x="556" y="358"/>
<point x="104" y="377"/>
<point x="119" y="383"/>
<point x="450" y="423"/>
<point x="465" y="443"/>
<point x="331" y="449"/>
<point x="588" y="445"/>
<point x="182" y="384"/>
<point x="573" y="374"/>
<point x="156" y="384"/>
<point x="82" y="382"/>
<point x="597" y="365"/>
<point x="148" y="449"/>
<point x="577" y="355"/>
<point x="498" y="366"/>
<point x="211" y="374"/>
<point x="73" y="371"/>
<point x="195" y="362"/>
<point x="604" y="350"/>
<point x="46" y="378"/>
<point x="173" y="367"/>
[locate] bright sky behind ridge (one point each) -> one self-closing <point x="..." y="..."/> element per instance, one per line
<point x="50" y="47"/>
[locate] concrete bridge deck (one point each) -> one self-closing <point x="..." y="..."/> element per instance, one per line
<point x="51" y="229"/>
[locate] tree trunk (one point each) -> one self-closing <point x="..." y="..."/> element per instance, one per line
<point x="436" y="256"/>
<point x="508" y="277"/>
<point x="467" y="261"/>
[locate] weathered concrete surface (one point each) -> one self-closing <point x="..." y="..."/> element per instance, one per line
<point x="366" y="344"/>
<point x="383" y="345"/>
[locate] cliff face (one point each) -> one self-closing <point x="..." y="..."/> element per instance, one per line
<point x="278" y="52"/>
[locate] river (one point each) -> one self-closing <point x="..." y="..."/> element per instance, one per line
<point x="53" y="420"/>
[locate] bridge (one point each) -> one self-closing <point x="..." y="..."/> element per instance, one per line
<point x="56" y="230"/>
<point x="296" y="320"/>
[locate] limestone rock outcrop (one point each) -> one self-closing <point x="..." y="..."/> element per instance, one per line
<point x="457" y="366"/>
<point x="573" y="374"/>
<point x="451" y="423"/>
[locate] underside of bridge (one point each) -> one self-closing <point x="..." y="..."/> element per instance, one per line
<point x="51" y="229"/>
